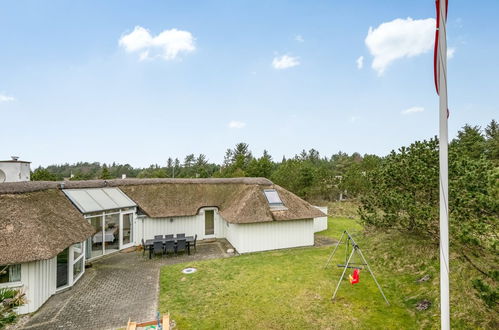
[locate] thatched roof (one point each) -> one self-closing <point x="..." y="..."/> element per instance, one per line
<point x="238" y="200"/>
<point x="37" y="221"/>
<point x="28" y="186"/>
<point x="38" y="225"/>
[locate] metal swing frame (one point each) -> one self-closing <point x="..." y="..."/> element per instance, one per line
<point x="355" y="248"/>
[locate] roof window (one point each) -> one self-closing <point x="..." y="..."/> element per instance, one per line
<point x="273" y="198"/>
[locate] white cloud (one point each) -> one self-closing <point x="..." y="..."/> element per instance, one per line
<point x="450" y="52"/>
<point x="299" y="38"/>
<point x="360" y="62"/>
<point x="6" y="98"/>
<point x="412" y="110"/>
<point x="285" y="62"/>
<point x="353" y="119"/>
<point x="398" y="39"/>
<point x="166" y="45"/>
<point x="236" y="124"/>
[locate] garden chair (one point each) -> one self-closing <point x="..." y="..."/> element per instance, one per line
<point x="194" y="243"/>
<point x="169" y="236"/>
<point x="143" y="248"/>
<point x="158" y="236"/>
<point x="180" y="235"/>
<point x="181" y="245"/>
<point x="158" y="248"/>
<point x="169" y="247"/>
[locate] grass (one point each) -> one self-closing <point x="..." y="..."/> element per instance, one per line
<point x="289" y="289"/>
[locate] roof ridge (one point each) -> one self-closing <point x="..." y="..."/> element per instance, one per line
<point x="31" y="186"/>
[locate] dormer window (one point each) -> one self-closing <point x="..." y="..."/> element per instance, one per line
<point x="273" y="198"/>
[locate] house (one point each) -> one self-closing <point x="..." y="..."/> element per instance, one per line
<point x="14" y="170"/>
<point x="49" y="230"/>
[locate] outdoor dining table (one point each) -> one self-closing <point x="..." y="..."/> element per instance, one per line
<point x="150" y="242"/>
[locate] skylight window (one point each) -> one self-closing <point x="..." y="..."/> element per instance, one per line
<point x="273" y="197"/>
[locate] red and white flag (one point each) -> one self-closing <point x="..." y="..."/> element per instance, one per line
<point x="439" y="48"/>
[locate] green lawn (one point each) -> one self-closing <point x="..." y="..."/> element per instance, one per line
<point x="289" y="289"/>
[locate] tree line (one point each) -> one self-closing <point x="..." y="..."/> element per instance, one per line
<point x="307" y="174"/>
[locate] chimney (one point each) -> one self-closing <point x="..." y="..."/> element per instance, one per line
<point x="14" y="170"/>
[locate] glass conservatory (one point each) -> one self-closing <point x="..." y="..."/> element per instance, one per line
<point x="111" y="213"/>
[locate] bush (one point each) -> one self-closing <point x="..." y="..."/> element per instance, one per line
<point x="404" y="194"/>
<point x="10" y="299"/>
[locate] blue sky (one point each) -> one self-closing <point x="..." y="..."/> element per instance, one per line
<point x="201" y="76"/>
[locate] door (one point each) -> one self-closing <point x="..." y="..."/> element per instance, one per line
<point x="62" y="276"/>
<point x="126" y="233"/>
<point x="95" y="246"/>
<point x="111" y="239"/>
<point x="209" y="222"/>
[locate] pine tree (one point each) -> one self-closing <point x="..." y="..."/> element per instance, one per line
<point x="105" y="175"/>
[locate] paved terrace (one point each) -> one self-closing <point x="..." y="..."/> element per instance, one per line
<point x="115" y="288"/>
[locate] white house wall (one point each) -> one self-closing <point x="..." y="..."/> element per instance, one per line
<point x="147" y="227"/>
<point x="232" y="234"/>
<point x="15" y="171"/>
<point x="320" y="223"/>
<point x="38" y="282"/>
<point x="264" y="236"/>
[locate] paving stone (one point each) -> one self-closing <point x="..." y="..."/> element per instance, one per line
<point x="117" y="287"/>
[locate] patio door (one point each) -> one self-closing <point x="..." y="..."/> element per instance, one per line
<point x="62" y="271"/>
<point x="70" y="265"/>
<point x="95" y="245"/>
<point x="126" y="230"/>
<point x="209" y="223"/>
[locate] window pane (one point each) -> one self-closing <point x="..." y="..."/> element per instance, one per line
<point x="111" y="233"/>
<point x="10" y="273"/>
<point x="15" y="273"/>
<point x="77" y="268"/>
<point x="62" y="268"/>
<point x="77" y="250"/>
<point x="272" y="196"/>
<point x="127" y="228"/>
<point x="4" y="274"/>
<point x="96" y="242"/>
<point x="209" y="222"/>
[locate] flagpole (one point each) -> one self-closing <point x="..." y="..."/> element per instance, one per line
<point x="444" y="177"/>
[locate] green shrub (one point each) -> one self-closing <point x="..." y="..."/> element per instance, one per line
<point x="10" y="299"/>
<point x="488" y="294"/>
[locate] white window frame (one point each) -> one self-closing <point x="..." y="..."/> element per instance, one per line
<point x="121" y="212"/>
<point x="215" y="220"/>
<point x="132" y="226"/>
<point x="273" y="191"/>
<point x="13" y="284"/>
<point x="71" y="262"/>
<point x="81" y="257"/>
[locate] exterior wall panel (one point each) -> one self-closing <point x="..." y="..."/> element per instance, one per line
<point x="320" y="223"/>
<point x="15" y="171"/>
<point x="273" y="235"/>
<point x="38" y="280"/>
<point x="190" y="225"/>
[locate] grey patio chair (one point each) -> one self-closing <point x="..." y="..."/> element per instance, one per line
<point x="169" y="247"/>
<point x="143" y="248"/>
<point x="195" y="241"/>
<point x="181" y="245"/>
<point x="158" y="236"/>
<point x="180" y="235"/>
<point x="169" y="236"/>
<point x="158" y="248"/>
